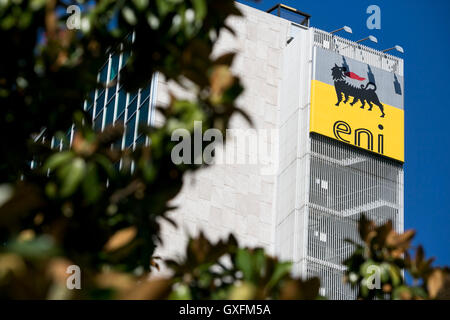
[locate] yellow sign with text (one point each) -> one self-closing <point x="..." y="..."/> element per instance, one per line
<point x="379" y="129"/>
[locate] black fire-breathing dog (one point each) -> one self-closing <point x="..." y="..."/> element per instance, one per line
<point x="363" y="94"/>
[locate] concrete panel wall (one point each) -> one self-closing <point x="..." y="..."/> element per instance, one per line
<point x="238" y="198"/>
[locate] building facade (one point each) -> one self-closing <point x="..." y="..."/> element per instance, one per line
<point x="327" y="164"/>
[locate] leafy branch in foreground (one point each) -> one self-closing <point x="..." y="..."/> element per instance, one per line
<point x="79" y="206"/>
<point x="377" y="266"/>
<point x="225" y="271"/>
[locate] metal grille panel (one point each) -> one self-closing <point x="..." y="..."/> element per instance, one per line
<point x="346" y="182"/>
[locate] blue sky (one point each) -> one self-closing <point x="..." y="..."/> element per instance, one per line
<point x="422" y="28"/>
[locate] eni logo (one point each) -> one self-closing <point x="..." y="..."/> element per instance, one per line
<point x="363" y="93"/>
<point x="362" y="137"/>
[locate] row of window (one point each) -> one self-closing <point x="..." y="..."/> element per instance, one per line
<point x="112" y="104"/>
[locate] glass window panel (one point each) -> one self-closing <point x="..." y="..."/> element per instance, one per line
<point x="133" y="95"/>
<point x="109" y="113"/>
<point x="56" y="143"/>
<point x="100" y="103"/>
<point x="90" y="98"/>
<point x="122" y="101"/>
<point x="132" y="108"/>
<point x="104" y="73"/>
<point x="129" y="37"/>
<point x="111" y="92"/>
<point x="98" y="122"/>
<point x="143" y="113"/>
<point x="145" y="92"/>
<point x="125" y="57"/>
<point x="114" y="66"/>
<point x="129" y="138"/>
<point x="120" y="118"/>
<point x="103" y="78"/>
<point x="90" y="112"/>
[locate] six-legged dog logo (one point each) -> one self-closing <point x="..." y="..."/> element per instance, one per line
<point x="363" y="93"/>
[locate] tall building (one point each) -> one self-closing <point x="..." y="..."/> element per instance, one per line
<point x="330" y="112"/>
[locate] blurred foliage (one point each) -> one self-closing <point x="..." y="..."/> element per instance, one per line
<point x="76" y="206"/>
<point x="225" y="271"/>
<point x="378" y="264"/>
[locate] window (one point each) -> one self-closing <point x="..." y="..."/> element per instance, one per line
<point x="90" y="111"/>
<point x="133" y="95"/>
<point x="114" y="66"/>
<point x="111" y="92"/>
<point x="104" y="73"/>
<point x="56" y="143"/>
<point x="322" y="183"/>
<point x="98" y="121"/>
<point x="122" y="101"/>
<point x="143" y="113"/>
<point x="125" y="57"/>
<point x="132" y="108"/>
<point x="90" y="99"/>
<point x="100" y="103"/>
<point x="131" y="125"/>
<point x="109" y="113"/>
<point x="103" y="76"/>
<point x="145" y="92"/>
<point x="120" y="118"/>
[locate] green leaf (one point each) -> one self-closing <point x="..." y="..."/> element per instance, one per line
<point x="163" y="7"/>
<point x="37" y="248"/>
<point x="181" y="292"/>
<point x="244" y="263"/>
<point x="200" y="9"/>
<point x="106" y="164"/>
<point x="76" y="173"/>
<point x="396" y="277"/>
<point x="91" y="187"/>
<point x="58" y="159"/>
<point x="259" y="261"/>
<point x="281" y="270"/>
<point x="36" y="5"/>
<point x="129" y="15"/>
<point x="384" y="272"/>
<point x="141" y="4"/>
<point x="400" y="292"/>
<point x="364" y="269"/>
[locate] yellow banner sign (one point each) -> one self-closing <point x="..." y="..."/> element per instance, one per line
<point x="367" y="122"/>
